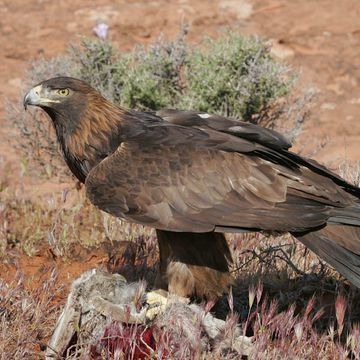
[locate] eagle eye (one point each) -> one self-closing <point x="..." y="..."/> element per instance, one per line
<point x="63" y="92"/>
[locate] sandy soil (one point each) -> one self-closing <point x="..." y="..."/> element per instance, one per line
<point x="319" y="37"/>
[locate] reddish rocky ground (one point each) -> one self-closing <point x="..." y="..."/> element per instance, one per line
<point x="321" y="38"/>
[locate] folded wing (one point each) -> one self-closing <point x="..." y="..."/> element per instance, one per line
<point x="198" y="178"/>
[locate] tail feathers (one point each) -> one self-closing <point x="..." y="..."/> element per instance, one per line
<point x="346" y="216"/>
<point x="339" y="245"/>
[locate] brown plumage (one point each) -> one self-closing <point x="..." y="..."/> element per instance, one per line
<point x="193" y="176"/>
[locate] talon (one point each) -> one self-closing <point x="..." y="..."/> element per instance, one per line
<point x="157" y="301"/>
<point x="157" y="296"/>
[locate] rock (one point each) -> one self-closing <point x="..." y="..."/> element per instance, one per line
<point x="280" y="50"/>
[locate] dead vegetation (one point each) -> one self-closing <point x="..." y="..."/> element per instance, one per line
<point x="27" y="316"/>
<point x="294" y="306"/>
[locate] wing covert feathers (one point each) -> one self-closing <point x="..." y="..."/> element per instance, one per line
<point x="226" y="125"/>
<point x="195" y="189"/>
<point x="198" y="173"/>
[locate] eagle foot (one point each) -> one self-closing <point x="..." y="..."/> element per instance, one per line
<point x="158" y="300"/>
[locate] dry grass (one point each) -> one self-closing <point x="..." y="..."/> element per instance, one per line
<point x="295" y="306"/>
<point x="27" y="316"/>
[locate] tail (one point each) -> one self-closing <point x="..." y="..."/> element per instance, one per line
<point x="337" y="244"/>
<point x="194" y="264"/>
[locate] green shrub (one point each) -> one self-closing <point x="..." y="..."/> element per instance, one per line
<point x="233" y="75"/>
<point x="145" y="79"/>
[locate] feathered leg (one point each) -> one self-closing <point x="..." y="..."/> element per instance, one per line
<point x="194" y="264"/>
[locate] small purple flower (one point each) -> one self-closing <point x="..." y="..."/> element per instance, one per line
<point x="101" y="30"/>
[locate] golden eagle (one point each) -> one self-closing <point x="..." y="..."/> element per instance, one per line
<point x="194" y="176"/>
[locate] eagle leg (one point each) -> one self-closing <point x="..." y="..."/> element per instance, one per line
<point x="194" y="264"/>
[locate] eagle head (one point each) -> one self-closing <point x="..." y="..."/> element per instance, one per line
<point x="64" y="99"/>
<point x="86" y="124"/>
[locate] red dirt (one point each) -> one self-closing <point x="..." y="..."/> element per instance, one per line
<point x="319" y="37"/>
<point x="36" y="269"/>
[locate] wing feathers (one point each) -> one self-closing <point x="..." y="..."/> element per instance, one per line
<point x="215" y="188"/>
<point x="195" y="172"/>
<point x="234" y="127"/>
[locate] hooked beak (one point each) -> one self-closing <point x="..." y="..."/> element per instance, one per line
<point x="33" y="97"/>
<point x="38" y="96"/>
